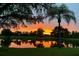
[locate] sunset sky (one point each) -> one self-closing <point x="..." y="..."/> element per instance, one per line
<point x="49" y="26"/>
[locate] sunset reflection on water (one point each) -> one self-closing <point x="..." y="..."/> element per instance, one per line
<point x="22" y="45"/>
<point x="30" y="44"/>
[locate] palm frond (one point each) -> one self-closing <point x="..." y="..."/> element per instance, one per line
<point x="56" y="10"/>
<point x="69" y="16"/>
<point x="63" y="9"/>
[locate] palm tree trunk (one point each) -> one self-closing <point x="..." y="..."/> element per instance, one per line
<point x="59" y="29"/>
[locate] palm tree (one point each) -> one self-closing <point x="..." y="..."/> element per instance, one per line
<point x="60" y="12"/>
<point x="9" y="12"/>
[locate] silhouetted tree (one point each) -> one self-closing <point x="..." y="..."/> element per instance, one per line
<point x="31" y="33"/>
<point x="12" y="14"/>
<point x="75" y="34"/>
<point x="60" y="12"/>
<point x="6" y="32"/>
<point x="34" y="33"/>
<point x="17" y="33"/>
<point x="39" y="32"/>
<point x="25" y="34"/>
<point x="64" y="32"/>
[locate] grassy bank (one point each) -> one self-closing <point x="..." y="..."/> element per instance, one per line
<point x="47" y="38"/>
<point x="39" y="52"/>
<point x="28" y="37"/>
<point x="36" y="37"/>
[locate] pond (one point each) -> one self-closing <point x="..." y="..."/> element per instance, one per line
<point x="14" y="43"/>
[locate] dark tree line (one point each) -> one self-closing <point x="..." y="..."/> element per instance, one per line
<point x="63" y="32"/>
<point x="39" y="32"/>
<point x="8" y="32"/>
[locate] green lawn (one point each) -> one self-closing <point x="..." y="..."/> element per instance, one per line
<point x="39" y="52"/>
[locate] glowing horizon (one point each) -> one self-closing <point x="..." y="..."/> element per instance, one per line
<point x="48" y="27"/>
<point x="34" y="27"/>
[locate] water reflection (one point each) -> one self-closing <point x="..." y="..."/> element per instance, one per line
<point x="14" y="43"/>
<point x="21" y="45"/>
<point x="32" y="44"/>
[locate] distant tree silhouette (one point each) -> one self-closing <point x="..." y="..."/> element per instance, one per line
<point x="6" y="32"/>
<point x="17" y="33"/>
<point x="31" y="33"/>
<point x="64" y="32"/>
<point x="24" y="34"/>
<point x="75" y="34"/>
<point x="39" y="32"/>
<point x="34" y="33"/>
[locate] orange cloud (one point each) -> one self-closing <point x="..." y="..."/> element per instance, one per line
<point x="34" y="27"/>
<point x="46" y="27"/>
